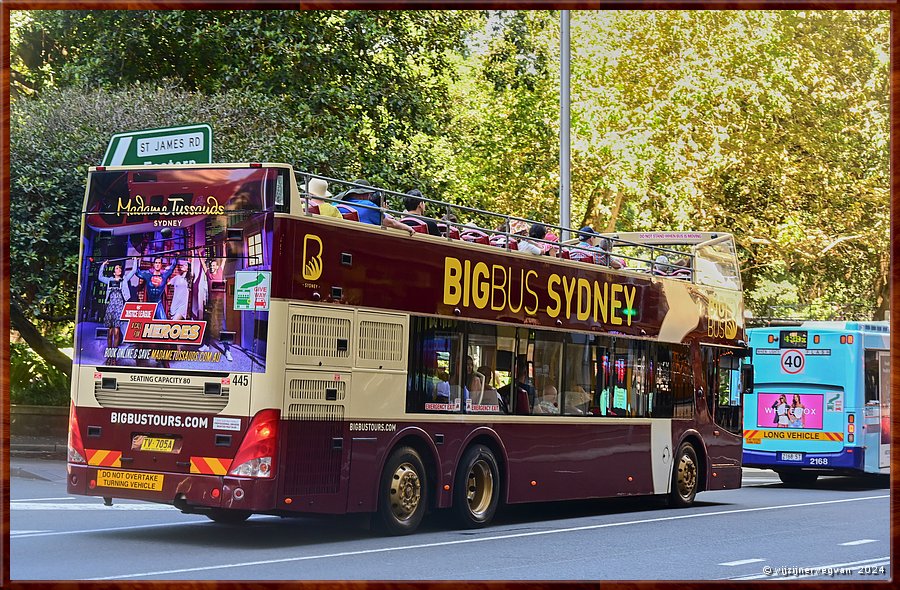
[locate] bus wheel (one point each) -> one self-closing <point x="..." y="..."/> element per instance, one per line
<point x="223" y="516"/>
<point x="476" y="492"/>
<point x="402" y="498"/>
<point x="685" y="477"/>
<point x="798" y="478"/>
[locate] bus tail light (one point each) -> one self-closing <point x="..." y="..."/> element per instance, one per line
<point x="256" y="455"/>
<point x="75" y="452"/>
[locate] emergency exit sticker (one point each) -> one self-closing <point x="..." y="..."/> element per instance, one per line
<point x="793" y="361"/>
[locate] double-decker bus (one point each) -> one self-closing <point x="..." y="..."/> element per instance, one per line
<point x="266" y="358"/>
<point x="821" y="403"/>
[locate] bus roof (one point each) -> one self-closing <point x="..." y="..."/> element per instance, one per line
<point x="881" y="326"/>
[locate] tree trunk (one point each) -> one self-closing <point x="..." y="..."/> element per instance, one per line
<point x="614" y="213"/>
<point x="883" y="288"/>
<point x="40" y="345"/>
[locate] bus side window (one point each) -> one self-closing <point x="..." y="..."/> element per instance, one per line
<point x="434" y="349"/>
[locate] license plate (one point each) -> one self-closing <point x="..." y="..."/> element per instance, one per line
<point x="130" y="480"/>
<point x="791" y="456"/>
<point x="160" y="445"/>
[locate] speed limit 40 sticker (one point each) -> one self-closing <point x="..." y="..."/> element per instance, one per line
<point x="793" y="361"/>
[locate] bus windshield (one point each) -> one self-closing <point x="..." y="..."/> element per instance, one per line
<point x="176" y="267"/>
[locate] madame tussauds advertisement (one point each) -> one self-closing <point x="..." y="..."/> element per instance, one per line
<point x="176" y="269"/>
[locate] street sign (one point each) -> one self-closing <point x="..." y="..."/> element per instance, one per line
<point x="172" y="145"/>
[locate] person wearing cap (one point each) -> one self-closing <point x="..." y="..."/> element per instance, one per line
<point x="588" y="249"/>
<point x="318" y="190"/>
<point x="369" y="198"/>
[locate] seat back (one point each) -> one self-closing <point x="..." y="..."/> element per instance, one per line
<point x="348" y="212"/>
<point x="581" y="256"/>
<point x="445" y="227"/>
<point x="522" y="404"/>
<point x="475" y="236"/>
<point x="312" y="208"/>
<point x="417" y="224"/>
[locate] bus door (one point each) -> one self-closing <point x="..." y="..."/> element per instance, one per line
<point x="724" y="399"/>
<point x="877" y="410"/>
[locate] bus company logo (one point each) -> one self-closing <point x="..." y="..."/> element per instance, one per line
<point x="505" y="288"/>
<point x="720" y="321"/>
<point x="312" y="263"/>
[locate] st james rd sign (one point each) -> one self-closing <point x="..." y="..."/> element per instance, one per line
<point x="172" y="145"/>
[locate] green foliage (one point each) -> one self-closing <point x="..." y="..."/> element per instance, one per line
<point x="772" y="125"/>
<point x="33" y="382"/>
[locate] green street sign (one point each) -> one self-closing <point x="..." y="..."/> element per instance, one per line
<point x="172" y="145"/>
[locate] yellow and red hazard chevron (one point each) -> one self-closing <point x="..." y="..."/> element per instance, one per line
<point x="754" y="437"/>
<point x="101" y="458"/>
<point x="210" y="465"/>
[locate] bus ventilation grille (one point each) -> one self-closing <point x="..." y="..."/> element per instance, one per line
<point x="178" y="398"/>
<point x="312" y="464"/>
<point x="380" y="341"/>
<point x="314" y="390"/>
<point x="319" y="337"/>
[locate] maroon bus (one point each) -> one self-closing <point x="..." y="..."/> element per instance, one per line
<point x="240" y="352"/>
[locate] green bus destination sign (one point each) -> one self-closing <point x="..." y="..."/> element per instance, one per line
<point x="172" y="145"/>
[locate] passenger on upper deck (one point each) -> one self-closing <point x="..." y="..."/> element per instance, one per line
<point x="587" y="250"/>
<point x="537" y="232"/>
<point x="318" y="187"/>
<point x="369" y="198"/>
<point x="415" y="209"/>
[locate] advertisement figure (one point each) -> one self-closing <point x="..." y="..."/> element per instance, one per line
<point x="178" y="309"/>
<point x="781" y="411"/>
<point x="797" y="413"/>
<point x="215" y="283"/>
<point x="155" y="280"/>
<point x="117" y="293"/>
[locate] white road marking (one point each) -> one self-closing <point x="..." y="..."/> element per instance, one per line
<point x="860" y="542"/>
<point x="13" y="507"/>
<point x="108" y="529"/>
<point x="742" y="562"/>
<point x="17" y="533"/>
<point x="477" y="540"/>
<point x="204" y="521"/>
<point x="41" y="499"/>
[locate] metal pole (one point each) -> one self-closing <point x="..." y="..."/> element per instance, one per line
<point x="564" y="76"/>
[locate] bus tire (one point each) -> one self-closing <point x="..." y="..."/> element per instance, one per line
<point x="800" y="479"/>
<point x="224" y="516"/>
<point x="685" y="477"/>
<point x="402" y="496"/>
<point x="476" y="491"/>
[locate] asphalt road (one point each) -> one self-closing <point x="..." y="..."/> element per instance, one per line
<point x="839" y="530"/>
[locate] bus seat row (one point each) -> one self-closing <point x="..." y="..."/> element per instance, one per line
<point x="477" y="236"/>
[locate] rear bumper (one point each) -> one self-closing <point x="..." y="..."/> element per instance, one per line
<point x="846" y="459"/>
<point x="187" y="491"/>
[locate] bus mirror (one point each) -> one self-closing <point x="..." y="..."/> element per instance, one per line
<point x="747" y="378"/>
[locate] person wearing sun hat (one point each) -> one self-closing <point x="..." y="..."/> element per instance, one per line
<point x="318" y="190"/>
<point x="370" y="197"/>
